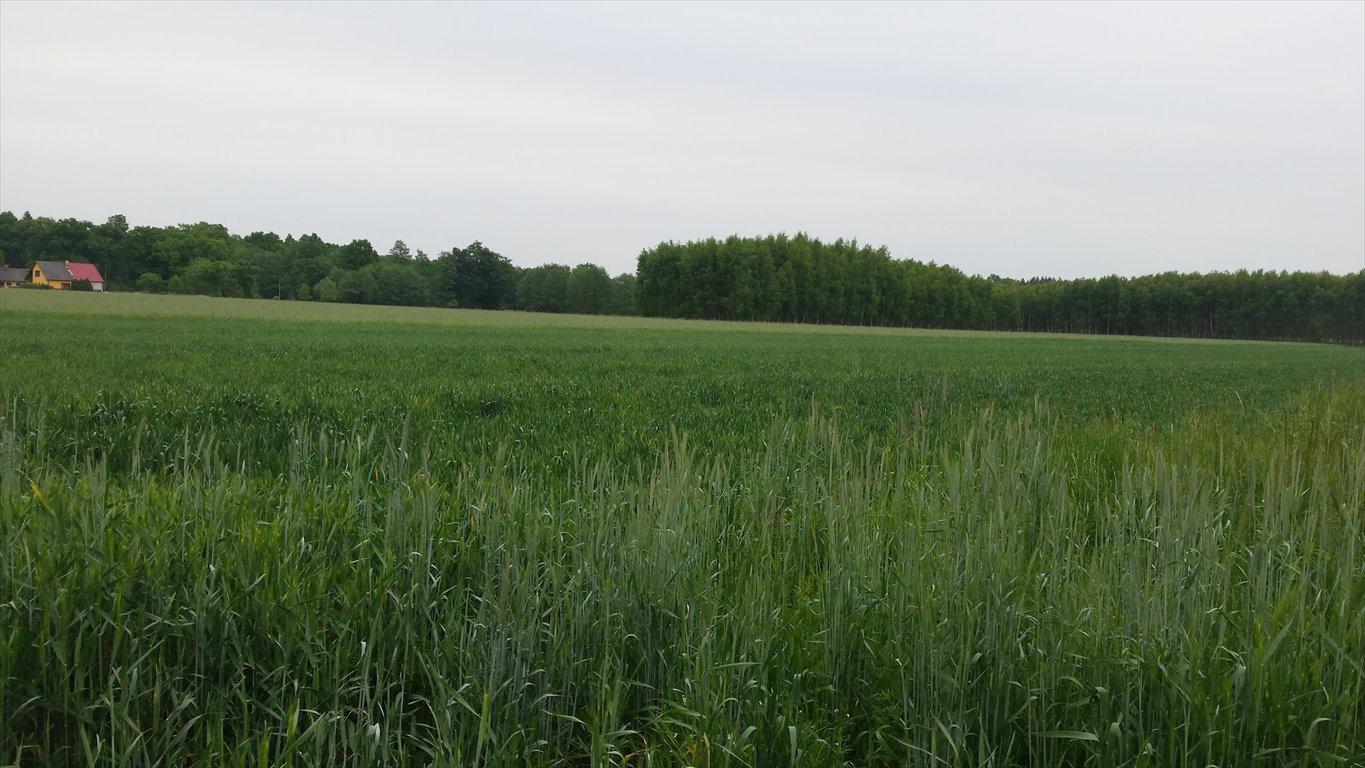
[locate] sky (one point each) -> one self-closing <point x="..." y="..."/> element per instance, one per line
<point x="1054" y="139"/>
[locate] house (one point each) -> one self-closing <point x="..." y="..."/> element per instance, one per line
<point x="60" y="274"/>
<point x="53" y="274"/>
<point x="80" y="271"/>
<point x="11" y="277"/>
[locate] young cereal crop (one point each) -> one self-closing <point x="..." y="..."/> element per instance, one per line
<point x="254" y="533"/>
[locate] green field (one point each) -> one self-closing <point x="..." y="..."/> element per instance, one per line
<point x="241" y="532"/>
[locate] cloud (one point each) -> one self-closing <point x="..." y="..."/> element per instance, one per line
<point x="1060" y="139"/>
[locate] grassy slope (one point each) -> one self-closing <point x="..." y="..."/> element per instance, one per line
<point x="566" y="540"/>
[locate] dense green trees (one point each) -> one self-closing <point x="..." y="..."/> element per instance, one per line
<point x="544" y="289"/>
<point x="1313" y="306"/>
<point x="586" y="289"/>
<point x="589" y="290"/>
<point x="476" y="277"/>
<point x="800" y="279"/>
<point x="207" y="259"/>
<point x="775" y="278"/>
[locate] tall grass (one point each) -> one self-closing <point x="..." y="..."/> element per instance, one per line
<point x="979" y="588"/>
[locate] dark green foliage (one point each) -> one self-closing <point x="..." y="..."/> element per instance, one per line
<point x="218" y="278"/>
<point x="800" y="279"/>
<point x="586" y="290"/>
<point x="544" y="289"/>
<point x="475" y="277"/>
<point x="399" y="252"/>
<point x="774" y="278"/>
<point x="589" y="291"/>
<point x="622" y="295"/>
<point x="206" y="259"/>
<point x="151" y="282"/>
<point x="356" y="255"/>
<point x="357" y="287"/>
<point x="326" y="290"/>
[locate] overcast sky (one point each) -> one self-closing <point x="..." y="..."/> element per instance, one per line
<point x="1077" y="139"/>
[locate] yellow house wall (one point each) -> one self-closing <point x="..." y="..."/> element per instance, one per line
<point x="40" y="279"/>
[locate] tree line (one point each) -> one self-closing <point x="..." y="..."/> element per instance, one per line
<point x="776" y="278"/>
<point x="207" y="259"/>
<point x="800" y="279"/>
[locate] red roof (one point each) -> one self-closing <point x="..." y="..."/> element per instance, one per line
<point x="85" y="272"/>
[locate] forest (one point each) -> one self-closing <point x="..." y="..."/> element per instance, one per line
<point x="207" y="259"/>
<point x="777" y="278"/>
<point x="800" y="279"/>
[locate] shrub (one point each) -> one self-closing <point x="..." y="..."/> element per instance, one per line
<point x="326" y="290"/>
<point x="151" y="282"/>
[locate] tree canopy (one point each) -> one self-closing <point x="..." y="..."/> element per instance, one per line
<point x="800" y="279"/>
<point x="207" y="259"/>
<point x="776" y="278"/>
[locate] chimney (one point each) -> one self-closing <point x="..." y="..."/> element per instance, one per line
<point x="68" y="263"/>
